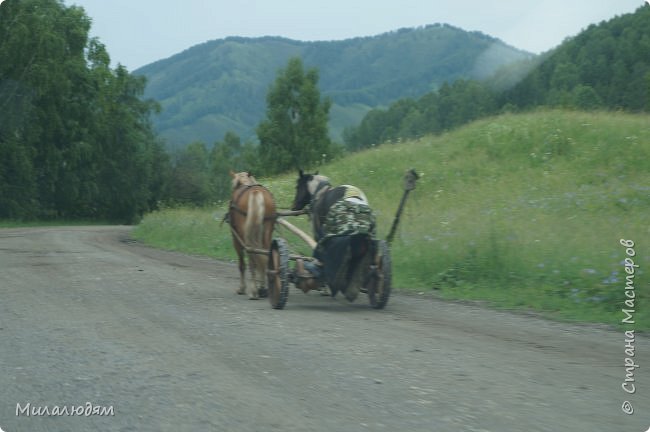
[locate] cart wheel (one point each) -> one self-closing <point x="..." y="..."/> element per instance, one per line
<point x="379" y="279"/>
<point x="278" y="273"/>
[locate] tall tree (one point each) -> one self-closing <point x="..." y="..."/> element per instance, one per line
<point x="225" y="156"/>
<point x="75" y="136"/>
<point x="294" y="133"/>
<point x="190" y="182"/>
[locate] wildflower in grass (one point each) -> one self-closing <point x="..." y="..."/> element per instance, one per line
<point x="612" y="278"/>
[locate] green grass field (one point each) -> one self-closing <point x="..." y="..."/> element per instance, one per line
<point x="525" y="211"/>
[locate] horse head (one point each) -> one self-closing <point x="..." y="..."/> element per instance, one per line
<point x="306" y="187"/>
<point x="244" y="178"/>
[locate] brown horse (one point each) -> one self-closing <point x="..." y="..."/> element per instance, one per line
<point x="252" y="217"/>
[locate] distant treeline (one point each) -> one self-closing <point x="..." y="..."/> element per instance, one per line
<point x="75" y="137"/>
<point x="76" y="140"/>
<point x="607" y="66"/>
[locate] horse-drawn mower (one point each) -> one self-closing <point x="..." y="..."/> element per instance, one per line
<point x="346" y="255"/>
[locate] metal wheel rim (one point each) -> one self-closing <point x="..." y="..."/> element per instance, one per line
<point x="277" y="275"/>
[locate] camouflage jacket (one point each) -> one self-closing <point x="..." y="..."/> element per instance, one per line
<point x="343" y="210"/>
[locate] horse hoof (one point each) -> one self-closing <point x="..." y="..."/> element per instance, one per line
<point x="253" y="298"/>
<point x="351" y="293"/>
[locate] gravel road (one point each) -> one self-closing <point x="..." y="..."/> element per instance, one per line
<point x="90" y="318"/>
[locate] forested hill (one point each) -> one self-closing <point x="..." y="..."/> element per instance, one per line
<point x="221" y="85"/>
<point x="606" y="66"/>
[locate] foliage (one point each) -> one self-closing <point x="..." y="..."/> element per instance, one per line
<point x="220" y="86"/>
<point x="523" y="210"/>
<point x="190" y="180"/>
<point x="449" y="107"/>
<point x="603" y="67"/>
<point x="75" y="137"/>
<point x="199" y="176"/>
<point x="294" y="133"/>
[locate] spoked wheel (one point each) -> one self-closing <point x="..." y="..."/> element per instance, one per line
<point x="278" y="273"/>
<point x="379" y="279"/>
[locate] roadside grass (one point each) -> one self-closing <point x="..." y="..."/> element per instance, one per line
<point x="524" y="211"/>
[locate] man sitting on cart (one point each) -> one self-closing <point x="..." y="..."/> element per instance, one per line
<point x="344" y="226"/>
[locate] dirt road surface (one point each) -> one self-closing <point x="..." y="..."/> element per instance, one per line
<point x="91" y="319"/>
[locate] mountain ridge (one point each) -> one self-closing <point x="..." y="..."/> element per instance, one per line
<point x="221" y="85"/>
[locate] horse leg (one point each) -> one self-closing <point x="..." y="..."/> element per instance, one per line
<point x="262" y="263"/>
<point x="242" y="268"/>
<point x="253" y="227"/>
<point x="252" y="264"/>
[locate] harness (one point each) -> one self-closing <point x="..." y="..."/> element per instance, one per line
<point x="243" y="189"/>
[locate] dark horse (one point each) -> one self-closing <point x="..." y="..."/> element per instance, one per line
<point x="252" y="216"/>
<point x="344" y="227"/>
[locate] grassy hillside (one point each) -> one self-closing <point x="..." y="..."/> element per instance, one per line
<point x="525" y="211"/>
<point x="221" y="85"/>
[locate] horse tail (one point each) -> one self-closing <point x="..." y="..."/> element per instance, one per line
<point x="254" y="225"/>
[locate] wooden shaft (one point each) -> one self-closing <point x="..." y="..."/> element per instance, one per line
<point x="297" y="231"/>
<point x="393" y="229"/>
<point x="290" y="213"/>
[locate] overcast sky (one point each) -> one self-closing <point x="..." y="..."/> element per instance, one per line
<point x="138" y="32"/>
